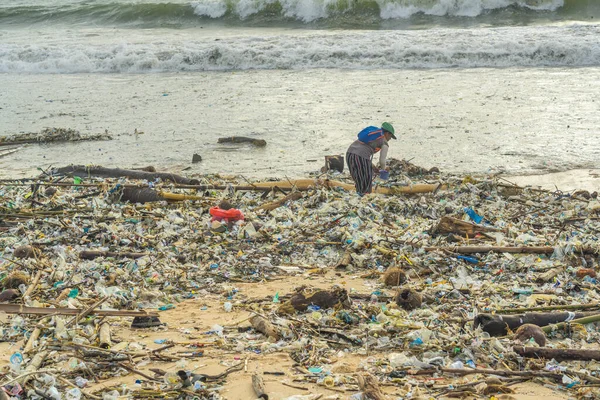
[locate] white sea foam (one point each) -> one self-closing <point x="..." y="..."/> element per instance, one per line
<point x="310" y="10"/>
<point x="574" y="45"/>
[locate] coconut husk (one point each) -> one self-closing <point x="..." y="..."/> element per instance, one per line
<point x="14" y="280"/>
<point x="25" y="251"/>
<point x="394" y="277"/>
<point x="409" y="299"/>
<point x="325" y="299"/>
<point x="8" y="295"/>
<point x="527" y="331"/>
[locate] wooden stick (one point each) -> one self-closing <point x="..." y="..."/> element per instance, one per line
<point x="86" y="312"/>
<point x="278" y="203"/>
<point x="22" y="309"/>
<point x="558" y="354"/>
<point x="293" y="386"/>
<point x="259" y="387"/>
<point x="135" y="371"/>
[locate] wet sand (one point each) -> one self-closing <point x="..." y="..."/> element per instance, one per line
<point x="484" y="121"/>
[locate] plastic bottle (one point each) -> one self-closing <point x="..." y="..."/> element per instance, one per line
<point x="73" y="394"/>
<point x="81" y="382"/>
<point x="112" y="395"/>
<point x="228" y="306"/>
<point x="15" y="362"/>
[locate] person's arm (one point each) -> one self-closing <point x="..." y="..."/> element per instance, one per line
<point x="383" y="155"/>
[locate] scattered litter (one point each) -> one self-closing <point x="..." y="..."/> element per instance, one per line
<point x="463" y="288"/>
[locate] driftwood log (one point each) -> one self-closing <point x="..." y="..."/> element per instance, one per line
<point x="243" y="139"/>
<point x="92" y="254"/>
<point x="259" y="387"/>
<point x="102" y="172"/>
<point x="498" y="325"/>
<point x="558" y="354"/>
<point x="265" y="327"/>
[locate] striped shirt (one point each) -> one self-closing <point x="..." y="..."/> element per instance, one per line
<point x="366" y="150"/>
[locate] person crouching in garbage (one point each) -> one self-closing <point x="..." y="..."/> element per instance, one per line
<point x="359" y="155"/>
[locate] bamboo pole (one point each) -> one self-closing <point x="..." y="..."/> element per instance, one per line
<point x="582" y="321"/>
<point x="22" y="309"/>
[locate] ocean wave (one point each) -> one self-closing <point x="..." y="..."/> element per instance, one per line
<point x="573" y="46"/>
<point x="326" y="13"/>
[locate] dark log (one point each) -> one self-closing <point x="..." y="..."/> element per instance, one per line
<point x="139" y="195"/>
<point x="102" y="172"/>
<point x="92" y="254"/>
<point x="557" y="354"/>
<point x="498" y="325"/>
<point x="242" y="139"/>
<point x="334" y="163"/>
<point x="259" y="387"/>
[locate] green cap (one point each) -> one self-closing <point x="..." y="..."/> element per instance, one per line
<point x="386" y="126"/>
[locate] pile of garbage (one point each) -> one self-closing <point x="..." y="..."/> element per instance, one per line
<point x="473" y="286"/>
